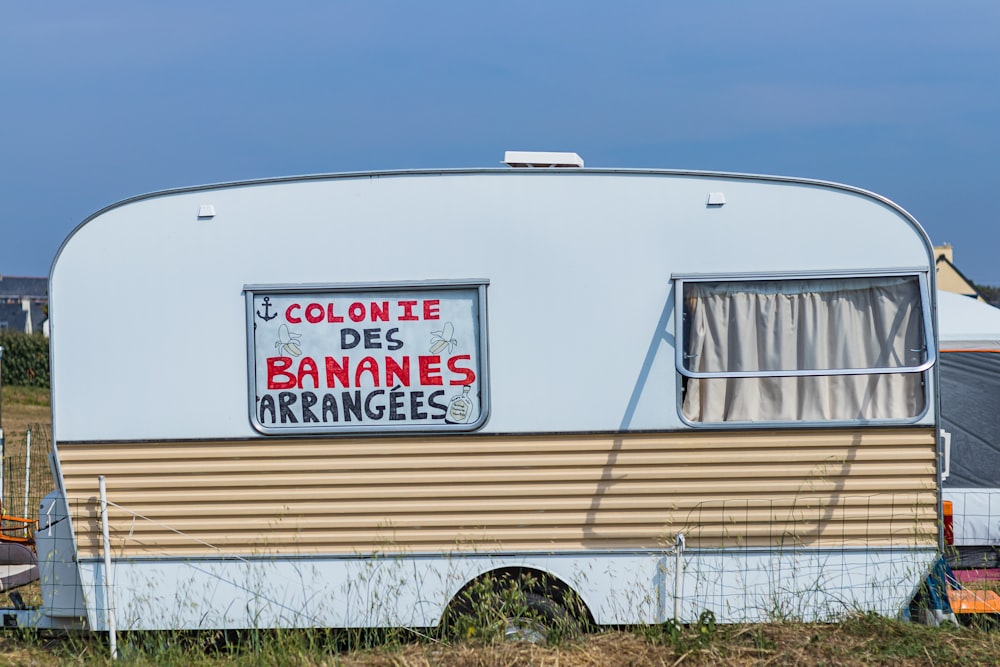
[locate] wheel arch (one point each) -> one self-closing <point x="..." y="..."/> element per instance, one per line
<point x="534" y="580"/>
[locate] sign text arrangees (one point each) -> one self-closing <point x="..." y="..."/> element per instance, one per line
<point x="359" y="360"/>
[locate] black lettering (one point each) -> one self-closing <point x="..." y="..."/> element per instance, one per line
<point x="352" y="405"/>
<point x="379" y="410"/>
<point x="286" y="400"/>
<point x="432" y="400"/>
<point x="396" y="404"/>
<point x="417" y="402"/>
<point x="372" y="337"/>
<point x="349" y="339"/>
<point x="330" y="408"/>
<point x="308" y="400"/>
<point x="390" y="336"/>
<point x="266" y="405"/>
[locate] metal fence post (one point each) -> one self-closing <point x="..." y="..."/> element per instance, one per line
<point x="27" y="471"/>
<point x="108" y="583"/>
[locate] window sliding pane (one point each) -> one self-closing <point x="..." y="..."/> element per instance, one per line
<point x="780" y="325"/>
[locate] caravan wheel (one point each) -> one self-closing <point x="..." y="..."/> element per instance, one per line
<point x="542" y="621"/>
<point x="501" y="609"/>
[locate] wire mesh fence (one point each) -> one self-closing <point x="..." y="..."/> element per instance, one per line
<point x="742" y="560"/>
<point x="25" y="478"/>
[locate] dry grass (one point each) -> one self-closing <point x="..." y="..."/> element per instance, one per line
<point x="863" y="640"/>
<point x="21" y="407"/>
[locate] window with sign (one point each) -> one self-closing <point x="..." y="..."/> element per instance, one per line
<point x="379" y="358"/>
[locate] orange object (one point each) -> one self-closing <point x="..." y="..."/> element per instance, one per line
<point x="28" y="526"/>
<point x="949" y="526"/>
<point x="966" y="601"/>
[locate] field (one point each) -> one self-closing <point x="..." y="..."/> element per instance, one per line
<point x="25" y="410"/>
<point x="861" y="640"/>
<point x="22" y="407"/>
<point x="857" y="640"/>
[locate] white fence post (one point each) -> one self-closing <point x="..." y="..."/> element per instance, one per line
<point x="678" y="579"/>
<point x="27" y="471"/>
<point x="108" y="598"/>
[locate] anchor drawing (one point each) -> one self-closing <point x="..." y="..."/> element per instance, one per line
<point x="267" y="316"/>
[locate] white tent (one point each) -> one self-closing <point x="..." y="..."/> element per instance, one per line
<point x="965" y="323"/>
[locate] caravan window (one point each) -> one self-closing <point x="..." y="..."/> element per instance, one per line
<point x="804" y="350"/>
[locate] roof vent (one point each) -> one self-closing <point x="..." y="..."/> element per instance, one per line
<point x="536" y="160"/>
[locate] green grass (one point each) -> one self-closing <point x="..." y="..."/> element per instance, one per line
<point x="22" y="407"/>
<point x="26" y="396"/>
<point x="859" y="640"/>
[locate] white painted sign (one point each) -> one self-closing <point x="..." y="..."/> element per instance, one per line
<point x="378" y="358"/>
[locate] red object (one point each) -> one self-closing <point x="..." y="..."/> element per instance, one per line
<point x="977" y="575"/>
<point x="949" y="529"/>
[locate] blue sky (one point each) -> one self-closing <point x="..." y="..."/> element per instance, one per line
<point x="103" y="101"/>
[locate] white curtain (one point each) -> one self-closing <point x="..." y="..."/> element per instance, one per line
<point x="818" y="325"/>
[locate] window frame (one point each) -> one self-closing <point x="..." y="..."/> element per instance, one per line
<point x="475" y="289"/>
<point x="683" y="374"/>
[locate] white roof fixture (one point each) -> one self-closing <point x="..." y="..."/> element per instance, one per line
<point x="206" y="211"/>
<point x="716" y="199"/>
<point x="537" y="159"/>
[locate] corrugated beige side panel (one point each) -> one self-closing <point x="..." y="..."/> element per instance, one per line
<point x="763" y="488"/>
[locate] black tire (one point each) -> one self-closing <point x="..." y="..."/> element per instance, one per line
<point x="544" y="621"/>
<point x="533" y="618"/>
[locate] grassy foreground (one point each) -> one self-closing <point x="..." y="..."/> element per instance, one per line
<point x="861" y="640"/>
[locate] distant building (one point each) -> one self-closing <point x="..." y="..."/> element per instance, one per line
<point x="949" y="278"/>
<point x="24" y="304"/>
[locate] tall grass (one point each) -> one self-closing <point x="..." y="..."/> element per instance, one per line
<point x="857" y="640"/>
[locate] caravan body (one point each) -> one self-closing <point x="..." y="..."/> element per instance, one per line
<point x="338" y="400"/>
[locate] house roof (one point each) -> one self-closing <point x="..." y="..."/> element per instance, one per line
<point x="953" y="280"/>
<point x="12" y="316"/>
<point x="20" y="287"/>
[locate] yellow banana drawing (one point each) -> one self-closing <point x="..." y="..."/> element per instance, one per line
<point x="288" y="341"/>
<point x="443" y="339"/>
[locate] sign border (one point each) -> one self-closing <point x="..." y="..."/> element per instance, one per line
<point x="479" y="285"/>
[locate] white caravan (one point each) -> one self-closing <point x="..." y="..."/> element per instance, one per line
<point x="341" y="400"/>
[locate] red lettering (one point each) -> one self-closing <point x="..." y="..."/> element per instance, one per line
<point x="314" y="313"/>
<point x="307" y="368"/>
<point x="356" y="312"/>
<point x="432" y="309"/>
<point x="407" y="311"/>
<point x="380" y="312"/>
<point x="430" y="369"/>
<point x="335" y="371"/>
<point x="373" y="311"/>
<point x="394" y="369"/>
<point x="277" y="378"/>
<point x="367" y="365"/>
<point x="468" y="373"/>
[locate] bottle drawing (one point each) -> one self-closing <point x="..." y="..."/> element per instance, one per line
<point x="461" y="408"/>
